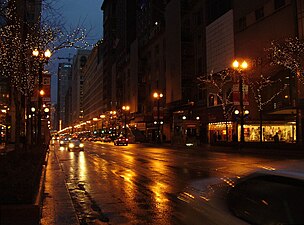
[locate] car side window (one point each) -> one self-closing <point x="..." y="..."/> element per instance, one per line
<point x="268" y="199"/>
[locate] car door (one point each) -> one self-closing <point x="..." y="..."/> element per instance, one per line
<point x="268" y="199"/>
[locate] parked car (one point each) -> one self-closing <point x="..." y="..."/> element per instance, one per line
<point x="75" y="144"/>
<point x="106" y="139"/>
<point x="263" y="197"/>
<point x="121" y="141"/>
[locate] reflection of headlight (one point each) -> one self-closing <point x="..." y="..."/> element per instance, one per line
<point x="71" y="145"/>
<point x="81" y="145"/>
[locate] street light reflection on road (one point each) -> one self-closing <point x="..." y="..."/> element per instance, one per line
<point x="158" y="187"/>
<point x="82" y="166"/>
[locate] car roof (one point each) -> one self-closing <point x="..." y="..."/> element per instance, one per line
<point x="287" y="173"/>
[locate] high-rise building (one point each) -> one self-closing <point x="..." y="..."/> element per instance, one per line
<point x="92" y="85"/>
<point x="79" y="62"/>
<point x="64" y="82"/>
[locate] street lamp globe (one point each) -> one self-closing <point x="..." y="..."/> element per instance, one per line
<point x="35" y="52"/>
<point x="47" y="54"/>
<point x="235" y="64"/>
<point x="46" y="110"/>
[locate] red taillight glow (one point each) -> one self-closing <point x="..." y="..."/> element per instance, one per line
<point x="127" y="139"/>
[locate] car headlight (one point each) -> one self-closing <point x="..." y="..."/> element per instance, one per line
<point x="61" y="142"/>
<point x="81" y="145"/>
<point x="71" y="145"/>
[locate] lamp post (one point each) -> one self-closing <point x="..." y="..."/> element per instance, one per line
<point x="240" y="68"/>
<point x="102" y="118"/>
<point x="43" y="57"/>
<point x="33" y="122"/>
<point x="158" y="96"/>
<point x="126" y="110"/>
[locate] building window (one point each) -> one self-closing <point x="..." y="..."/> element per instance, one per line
<point x="259" y="13"/>
<point x="242" y="23"/>
<point x="278" y="4"/>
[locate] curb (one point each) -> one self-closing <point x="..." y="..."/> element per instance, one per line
<point x="66" y="187"/>
<point x="26" y="214"/>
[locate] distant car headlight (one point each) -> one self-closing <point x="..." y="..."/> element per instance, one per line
<point x="61" y="142"/>
<point x="81" y="145"/>
<point x="71" y="145"/>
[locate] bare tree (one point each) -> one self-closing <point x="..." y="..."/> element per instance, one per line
<point x="17" y="41"/>
<point x="219" y="84"/>
<point x="289" y="54"/>
<point x="258" y="88"/>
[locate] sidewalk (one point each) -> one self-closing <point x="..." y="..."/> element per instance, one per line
<point x="57" y="205"/>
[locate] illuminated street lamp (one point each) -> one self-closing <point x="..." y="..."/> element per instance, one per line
<point x="158" y="96"/>
<point x="42" y="57"/>
<point x="240" y="68"/>
<point x="126" y="109"/>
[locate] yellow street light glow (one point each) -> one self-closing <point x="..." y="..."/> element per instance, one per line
<point x="41" y="92"/>
<point x="236" y="112"/>
<point x="102" y="116"/>
<point x="244" y="65"/>
<point x="235" y="64"/>
<point x="158" y="95"/>
<point x="33" y="109"/>
<point x="47" y="54"/>
<point x="95" y="119"/>
<point x="35" y="52"/>
<point x="46" y="110"/>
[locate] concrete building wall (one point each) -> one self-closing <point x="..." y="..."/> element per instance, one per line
<point x="133" y="88"/>
<point x="80" y="60"/>
<point x="173" y="51"/>
<point x="220" y="43"/>
<point x="92" y="87"/>
<point x="64" y="82"/>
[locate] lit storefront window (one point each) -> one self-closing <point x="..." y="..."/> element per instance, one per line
<point x="286" y="132"/>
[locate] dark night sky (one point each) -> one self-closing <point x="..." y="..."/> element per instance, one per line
<point x="75" y="12"/>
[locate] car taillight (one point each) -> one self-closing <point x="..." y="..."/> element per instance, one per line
<point x="127" y="139"/>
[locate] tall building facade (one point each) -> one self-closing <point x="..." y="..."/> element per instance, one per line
<point x="92" y="86"/>
<point x="79" y="62"/>
<point x="64" y="82"/>
<point x="244" y="31"/>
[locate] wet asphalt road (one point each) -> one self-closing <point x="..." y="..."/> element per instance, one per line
<point x="140" y="184"/>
